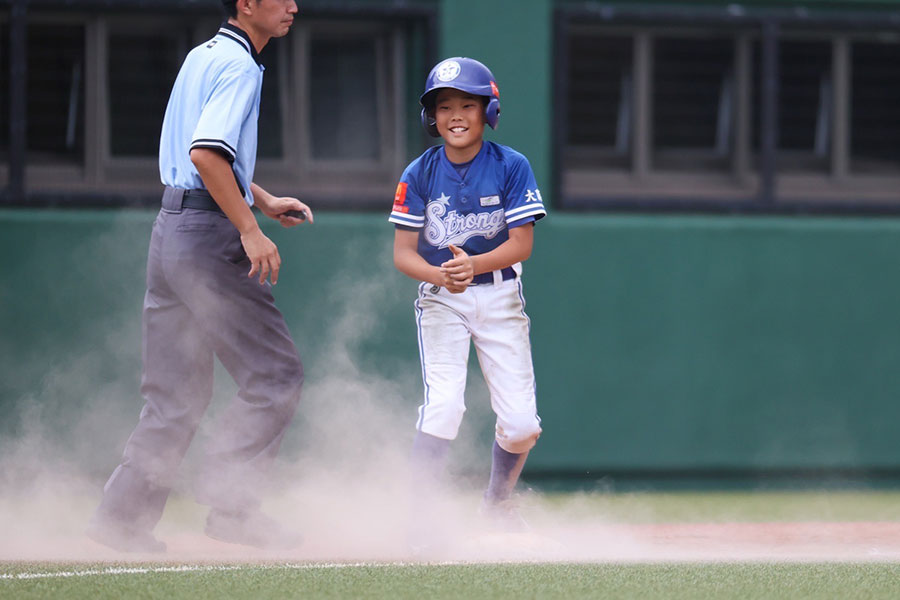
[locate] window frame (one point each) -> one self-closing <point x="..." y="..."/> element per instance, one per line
<point x="753" y="183"/>
<point x="350" y="181"/>
<point x="124" y="172"/>
<point x="65" y="170"/>
<point x="103" y="179"/>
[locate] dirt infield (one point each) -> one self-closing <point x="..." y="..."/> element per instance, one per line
<point x="600" y="543"/>
<point x="372" y="526"/>
<point x="804" y="541"/>
<point x="709" y="542"/>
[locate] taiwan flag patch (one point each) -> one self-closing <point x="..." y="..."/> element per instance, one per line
<point x="400" y="198"/>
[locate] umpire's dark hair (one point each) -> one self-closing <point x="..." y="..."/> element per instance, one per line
<point x="230" y="8"/>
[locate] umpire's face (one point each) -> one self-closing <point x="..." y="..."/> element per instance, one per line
<point x="274" y="17"/>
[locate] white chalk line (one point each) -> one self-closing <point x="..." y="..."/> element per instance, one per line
<point x="202" y="568"/>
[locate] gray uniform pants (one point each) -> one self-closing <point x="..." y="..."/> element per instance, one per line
<point x="200" y="302"/>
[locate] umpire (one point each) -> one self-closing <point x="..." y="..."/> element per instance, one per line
<point x="208" y="294"/>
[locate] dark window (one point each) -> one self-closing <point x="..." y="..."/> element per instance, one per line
<point x="344" y="109"/>
<point x="4" y="89"/>
<point x="804" y="103"/>
<point x="55" y="92"/>
<point x="875" y="107"/>
<point x="599" y="92"/>
<point x="271" y="125"/>
<point x="142" y="69"/>
<point x="693" y="89"/>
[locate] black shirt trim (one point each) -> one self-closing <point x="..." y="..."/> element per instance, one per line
<point x="226" y="145"/>
<point x="239" y="36"/>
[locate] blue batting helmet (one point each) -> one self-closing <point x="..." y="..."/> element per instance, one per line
<point x="466" y="75"/>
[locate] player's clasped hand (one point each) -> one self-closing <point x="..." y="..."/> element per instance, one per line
<point x="263" y="255"/>
<point x="458" y="271"/>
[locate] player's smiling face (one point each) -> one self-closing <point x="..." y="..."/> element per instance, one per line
<point x="459" y="117"/>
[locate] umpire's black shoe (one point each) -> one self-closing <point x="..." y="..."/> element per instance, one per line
<point x="250" y="528"/>
<point x="123" y="537"/>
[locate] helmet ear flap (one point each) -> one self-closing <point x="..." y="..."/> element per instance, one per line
<point x="492" y="112"/>
<point x="429" y="123"/>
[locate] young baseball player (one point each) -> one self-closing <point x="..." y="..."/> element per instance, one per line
<point x="464" y="215"/>
<point x="208" y="294"/>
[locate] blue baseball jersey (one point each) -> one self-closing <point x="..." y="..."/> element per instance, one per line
<point x="214" y="104"/>
<point x="474" y="212"/>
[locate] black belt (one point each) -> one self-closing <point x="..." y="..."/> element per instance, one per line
<point x="483" y="278"/>
<point x="199" y="199"/>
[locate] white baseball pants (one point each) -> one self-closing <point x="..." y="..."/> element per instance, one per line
<point x="493" y="317"/>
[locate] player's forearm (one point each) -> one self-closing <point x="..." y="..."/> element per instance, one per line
<point x="410" y="263"/>
<point x="219" y="180"/>
<point x="514" y="250"/>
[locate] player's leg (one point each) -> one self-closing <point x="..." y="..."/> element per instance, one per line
<point x="504" y="353"/>
<point x="249" y="335"/>
<point x="428" y="459"/>
<point x="505" y="470"/>
<point x="443" y="350"/>
<point x="176" y="385"/>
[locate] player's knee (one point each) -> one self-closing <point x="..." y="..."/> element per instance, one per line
<point x="518" y="434"/>
<point x="442" y="419"/>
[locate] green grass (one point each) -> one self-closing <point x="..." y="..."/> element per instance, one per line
<point x="712" y="507"/>
<point x="514" y="581"/>
<point x="671" y="580"/>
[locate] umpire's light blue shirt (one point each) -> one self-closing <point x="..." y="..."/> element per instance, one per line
<point x="214" y="104"/>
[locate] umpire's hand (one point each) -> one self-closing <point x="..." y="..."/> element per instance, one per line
<point x="279" y="208"/>
<point x="263" y="255"/>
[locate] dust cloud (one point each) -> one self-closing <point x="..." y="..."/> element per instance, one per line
<point x="341" y="479"/>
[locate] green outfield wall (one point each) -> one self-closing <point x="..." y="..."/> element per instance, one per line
<point x="514" y="39"/>
<point x="662" y="343"/>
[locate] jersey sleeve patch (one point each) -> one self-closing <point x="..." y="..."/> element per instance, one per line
<point x="409" y="207"/>
<point x="400" y="212"/>
<point x="400" y="197"/>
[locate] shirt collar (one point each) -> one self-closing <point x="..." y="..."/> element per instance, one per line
<point x="449" y="166"/>
<point x="239" y="36"/>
